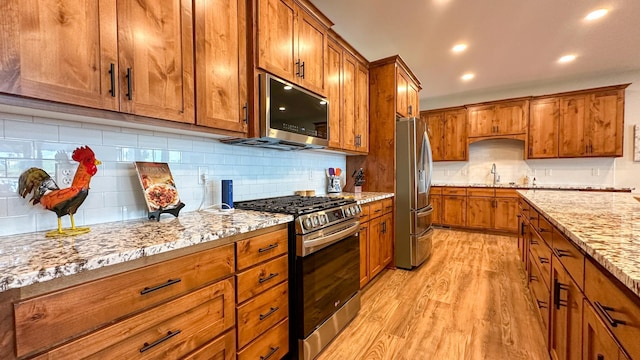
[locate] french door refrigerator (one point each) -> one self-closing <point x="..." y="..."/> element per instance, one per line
<point x="413" y="181"/>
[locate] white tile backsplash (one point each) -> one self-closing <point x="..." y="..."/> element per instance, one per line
<point x="115" y="190"/>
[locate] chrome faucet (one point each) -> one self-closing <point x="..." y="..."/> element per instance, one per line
<point x="494" y="172"/>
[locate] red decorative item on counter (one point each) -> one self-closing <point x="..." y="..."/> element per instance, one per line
<point x="61" y="201"/>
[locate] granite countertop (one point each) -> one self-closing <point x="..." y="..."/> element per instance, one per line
<point x="31" y="258"/>
<point x="541" y="187"/>
<point x="606" y="225"/>
<point x="366" y="197"/>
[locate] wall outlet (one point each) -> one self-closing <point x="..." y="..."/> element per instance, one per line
<point x="203" y="171"/>
<point x="65" y="171"/>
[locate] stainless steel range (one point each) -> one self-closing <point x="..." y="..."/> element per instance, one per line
<point x="324" y="267"/>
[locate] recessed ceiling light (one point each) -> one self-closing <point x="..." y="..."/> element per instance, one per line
<point x="459" y="48"/>
<point x="567" y="58"/>
<point x="597" y="14"/>
<point x="468" y="76"/>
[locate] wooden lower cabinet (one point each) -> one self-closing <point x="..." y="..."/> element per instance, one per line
<point x="566" y="315"/>
<point x="454" y="207"/>
<point x="376" y="239"/>
<point x="480" y="212"/>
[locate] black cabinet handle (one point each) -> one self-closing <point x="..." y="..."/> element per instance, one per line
<point x="264" y="279"/>
<point x="561" y="253"/>
<point x="112" y="76"/>
<point x="543" y="230"/>
<point x="298" y="68"/>
<point x="533" y="242"/>
<point x="600" y="357"/>
<point x="541" y="304"/>
<point x="410" y="109"/>
<point x="272" y="246"/>
<point x="533" y="278"/>
<point x="557" y="286"/>
<point x="246" y="113"/>
<point x="169" y="335"/>
<point x="302" y="70"/>
<point x="543" y="260"/>
<point x="271" y="352"/>
<point x="604" y="310"/>
<point x="169" y="282"/>
<point x="129" y="84"/>
<point x="269" y="313"/>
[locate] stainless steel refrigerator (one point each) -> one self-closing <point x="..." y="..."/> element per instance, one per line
<point x="413" y="181"/>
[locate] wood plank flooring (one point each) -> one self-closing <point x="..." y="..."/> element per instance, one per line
<point x="468" y="301"/>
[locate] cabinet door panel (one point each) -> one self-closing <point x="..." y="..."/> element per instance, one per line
<point x="401" y="93"/>
<point x="480" y="212"/>
<point x="60" y="51"/>
<point x="572" y="126"/>
<point x="436" y="204"/>
<point x="386" y="239"/>
<point x="276" y="37"/>
<point x="349" y="67"/>
<point x="455" y="135"/>
<point x="311" y="52"/>
<point x="220" y="41"/>
<point x="481" y="120"/>
<point x="606" y="113"/>
<point x="543" y="128"/>
<point x="566" y="315"/>
<point x="333" y="90"/>
<point x="597" y="342"/>
<point x="511" y="118"/>
<point x="506" y="212"/>
<point x="155" y="40"/>
<point x="375" y="249"/>
<point x="413" y="103"/>
<point x="435" y="130"/>
<point x="362" y="107"/>
<point x="454" y="210"/>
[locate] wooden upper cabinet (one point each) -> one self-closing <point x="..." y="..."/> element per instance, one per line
<point x="544" y="115"/>
<point x="573" y="141"/>
<point x="60" y="51"/>
<point x="333" y="88"/>
<point x="501" y="118"/>
<point x="407" y="101"/>
<point x="447" y="131"/>
<point x="291" y="43"/>
<point x="349" y="68"/>
<point x="155" y="45"/>
<point x="606" y="120"/>
<point x="221" y="64"/>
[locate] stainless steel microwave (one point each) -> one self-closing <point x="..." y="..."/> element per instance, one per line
<point x="291" y="118"/>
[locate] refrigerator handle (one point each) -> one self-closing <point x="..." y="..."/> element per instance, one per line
<point x="427" y="160"/>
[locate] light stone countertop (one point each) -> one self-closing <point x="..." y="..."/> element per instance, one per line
<point x="530" y="187"/>
<point x="32" y="258"/>
<point x="366" y="197"/>
<point x="606" y="225"/>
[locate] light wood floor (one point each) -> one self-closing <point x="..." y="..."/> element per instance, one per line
<point x="468" y="301"/>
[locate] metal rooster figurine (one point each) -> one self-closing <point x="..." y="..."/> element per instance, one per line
<point x="61" y="201"/>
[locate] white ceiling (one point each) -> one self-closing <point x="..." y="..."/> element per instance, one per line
<point x="511" y="42"/>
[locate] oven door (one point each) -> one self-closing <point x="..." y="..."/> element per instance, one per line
<point x="330" y="277"/>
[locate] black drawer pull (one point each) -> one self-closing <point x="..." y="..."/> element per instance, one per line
<point x="271" y="311"/>
<point x="541" y="304"/>
<point x="604" y="310"/>
<point x="533" y="278"/>
<point x="543" y="260"/>
<point x="158" y="287"/>
<point x="561" y="253"/>
<point x="533" y="242"/>
<point x="129" y="84"/>
<point x="543" y="230"/>
<point x="272" y="246"/>
<point x="112" y="76"/>
<point x="271" y="276"/>
<point x="600" y="357"/>
<point x="170" y="334"/>
<point x="271" y="352"/>
<point x="533" y="218"/>
<point x="557" y="286"/>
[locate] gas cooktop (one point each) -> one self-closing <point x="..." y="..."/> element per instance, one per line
<point x="294" y="204"/>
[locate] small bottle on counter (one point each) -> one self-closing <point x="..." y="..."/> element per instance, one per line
<point x="525" y="180"/>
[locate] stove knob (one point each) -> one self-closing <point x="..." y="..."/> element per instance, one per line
<point x="358" y="209"/>
<point x="315" y="221"/>
<point x="323" y="219"/>
<point x="307" y="223"/>
<point x="347" y="211"/>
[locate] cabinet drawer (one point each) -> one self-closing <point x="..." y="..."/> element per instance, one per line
<point x="435" y="190"/>
<point x="262" y="312"/>
<point x="533" y="218"/>
<point x="545" y="229"/>
<point x="611" y="301"/>
<point x="387" y="206"/>
<point x="260" y="248"/>
<point x="541" y="295"/>
<point x="541" y="256"/>
<point x="570" y="257"/>
<point x="454" y="191"/>
<point x="274" y="344"/>
<point x="364" y="215"/>
<point x="262" y="277"/>
<point x="487" y="192"/>
<point x="222" y="348"/>
<point x="375" y="209"/>
<point x="170" y="330"/>
<point x="47" y="320"/>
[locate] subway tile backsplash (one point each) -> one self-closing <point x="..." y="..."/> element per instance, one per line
<point x="27" y="141"/>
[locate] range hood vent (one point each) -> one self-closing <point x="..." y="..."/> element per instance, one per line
<point x="271" y="143"/>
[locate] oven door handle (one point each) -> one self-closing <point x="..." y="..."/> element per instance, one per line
<point x="332" y="237"/>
